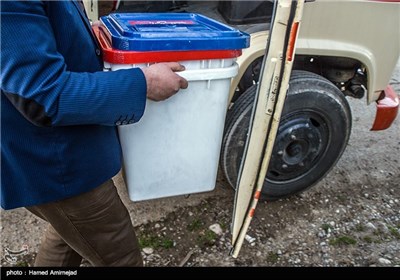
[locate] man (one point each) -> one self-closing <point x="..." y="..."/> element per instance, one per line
<point x="59" y="146"/>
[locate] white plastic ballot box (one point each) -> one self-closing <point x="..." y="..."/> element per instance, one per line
<point x="174" y="149"/>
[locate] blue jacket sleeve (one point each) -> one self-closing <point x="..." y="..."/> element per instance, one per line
<point x="35" y="76"/>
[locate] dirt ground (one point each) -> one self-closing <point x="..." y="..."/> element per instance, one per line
<point x="350" y="218"/>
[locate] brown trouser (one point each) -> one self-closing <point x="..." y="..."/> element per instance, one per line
<point x="95" y="225"/>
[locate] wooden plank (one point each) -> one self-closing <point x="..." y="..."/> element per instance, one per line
<point x="267" y="110"/>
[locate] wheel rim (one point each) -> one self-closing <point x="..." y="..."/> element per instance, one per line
<point x="302" y="139"/>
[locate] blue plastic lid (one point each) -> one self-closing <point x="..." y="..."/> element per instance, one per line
<point x="171" y="32"/>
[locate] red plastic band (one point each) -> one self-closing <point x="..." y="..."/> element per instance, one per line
<point x="114" y="56"/>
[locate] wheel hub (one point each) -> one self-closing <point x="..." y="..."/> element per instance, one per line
<point x="298" y="143"/>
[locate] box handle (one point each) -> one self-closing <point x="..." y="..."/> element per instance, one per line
<point x="210" y="74"/>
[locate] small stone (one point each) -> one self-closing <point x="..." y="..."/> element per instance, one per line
<point x="250" y="239"/>
<point x="157" y="226"/>
<point x="384" y="261"/>
<point x="315" y="212"/>
<point x="148" y="250"/>
<point x="389" y="257"/>
<point x="370" y="226"/>
<point x="216" y="228"/>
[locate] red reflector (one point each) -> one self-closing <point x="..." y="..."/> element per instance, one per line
<point x="292" y="41"/>
<point x="251" y="214"/>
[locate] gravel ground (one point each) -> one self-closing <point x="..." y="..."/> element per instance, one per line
<point x="350" y="218"/>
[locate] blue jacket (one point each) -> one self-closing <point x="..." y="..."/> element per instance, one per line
<point x="58" y="109"/>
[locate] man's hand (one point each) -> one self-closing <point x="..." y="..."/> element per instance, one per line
<point x="161" y="80"/>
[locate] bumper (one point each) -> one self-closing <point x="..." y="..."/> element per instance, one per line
<point x="387" y="109"/>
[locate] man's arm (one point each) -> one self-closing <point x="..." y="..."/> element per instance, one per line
<point x="35" y="79"/>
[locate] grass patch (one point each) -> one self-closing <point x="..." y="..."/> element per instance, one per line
<point x="272" y="257"/>
<point x="22" y="264"/>
<point x="393" y="231"/>
<point x="166" y="243"/>
<point x="342" y="198"/>
<point x="360" y="227"/>
<point x="342" y="240"/>
<point x="326" y="227"/>
<point x="223" y="226"/>
<point x="207" y="238"/>
<point x="368" y="239"/>
<point x="155" y="242"/>
<point x="196" y="224"/>
<point x="379" y="232"/>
